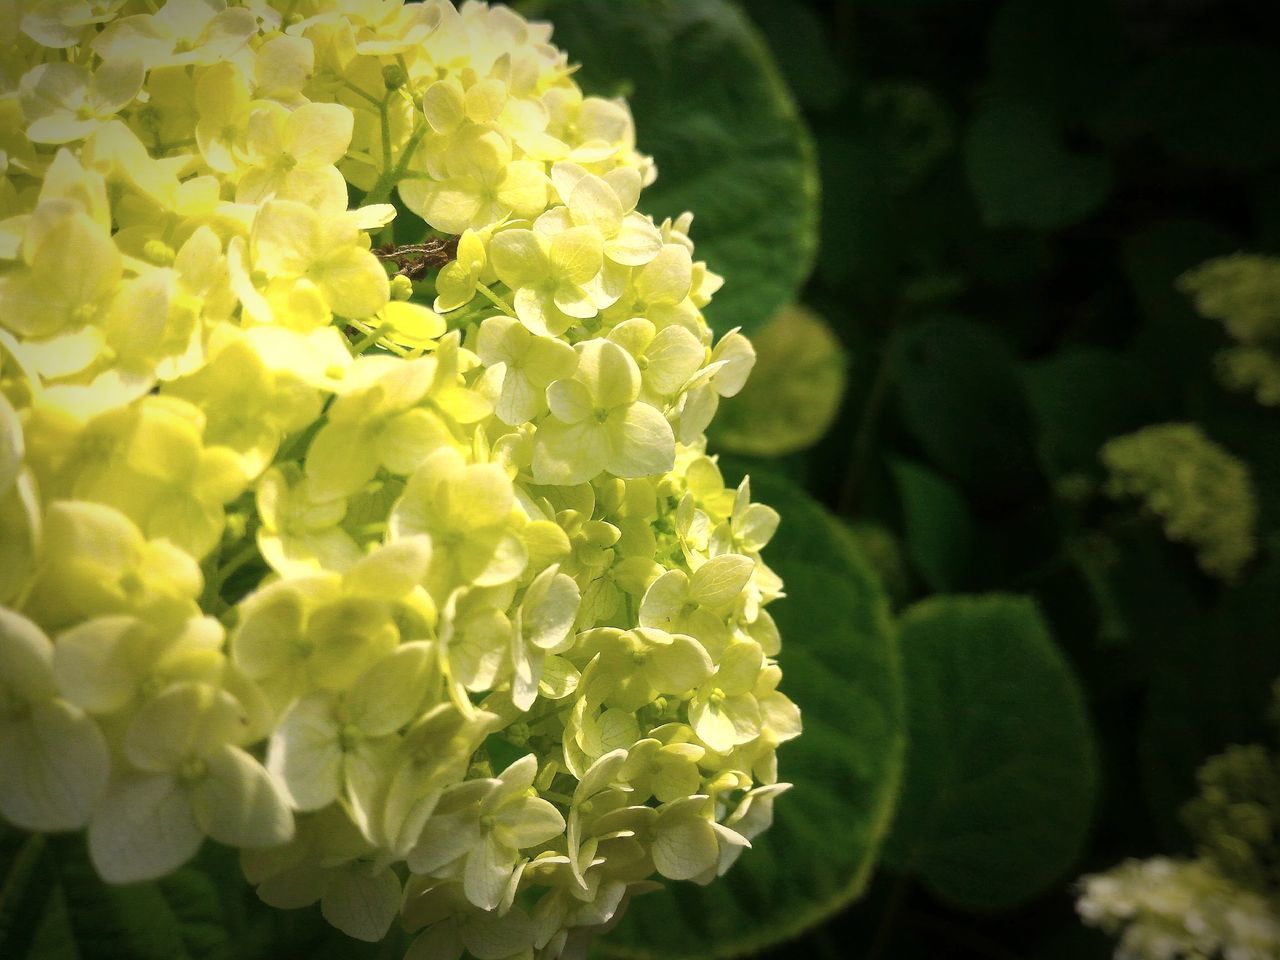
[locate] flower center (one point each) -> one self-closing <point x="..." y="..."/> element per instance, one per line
<point x="191" y="769"/>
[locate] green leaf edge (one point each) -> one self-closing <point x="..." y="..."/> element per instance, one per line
<point x="811" y="185"/>
<point x="906" y="864"/>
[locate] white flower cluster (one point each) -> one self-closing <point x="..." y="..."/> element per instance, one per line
<point x="1167" y="909"/>
<point x="420" y="589"/>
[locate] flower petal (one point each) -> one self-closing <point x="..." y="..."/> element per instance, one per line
<point x="55" y="767"/>
<point x="237" y="802"/>
<point x="143" y="828"/>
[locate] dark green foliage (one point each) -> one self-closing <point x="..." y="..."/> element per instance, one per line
<point x="1021" y="173"/>
<point x="1211" y="104"/>
<point x="939" y="530"/>
<point x="1235" y="820"/>
<point x="959" y="396"/>
<point x="729" y="146"/>
<point x="1003" y="239"/>
<point x="1001" y="775"/>
<point x="203" y="911"/>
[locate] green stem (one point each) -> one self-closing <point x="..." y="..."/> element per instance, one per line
<point x="20" y="871"/>
<point x="546" y="714"/>
<point x="365" y="94"/>
<point x="247" y="554"/>
<point x="166" y="147"/>
<point x="496" y="300"/>
<point x="369" y="339"/>
<point x="380" y="192"/>
<point x="464" y="315"/>
<point x="863" y="437"/>
<point x="386" y="131"/>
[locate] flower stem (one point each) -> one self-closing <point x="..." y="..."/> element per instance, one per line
<point x="369" y="339"/>
<point x="386" y="131"/>
<point x="16" y="880"/>
<point x="380" y="192"/>
<point x="246" y="554"/>
<point x="361" y="92"/>
<point x="496" y="300"/>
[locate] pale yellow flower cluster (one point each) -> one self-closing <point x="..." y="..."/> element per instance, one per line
<point x="423" y="591"/>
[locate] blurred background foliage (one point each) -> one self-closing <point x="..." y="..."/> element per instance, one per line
<point x="1002" y="392"/>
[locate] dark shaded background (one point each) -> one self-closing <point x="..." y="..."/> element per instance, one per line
<point x="1041" y="172"/>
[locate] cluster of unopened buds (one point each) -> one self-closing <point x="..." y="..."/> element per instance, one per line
<point x="418" y="588"/>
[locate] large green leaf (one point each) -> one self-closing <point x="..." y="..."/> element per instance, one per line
<point x="187" y="915"/>
<point x="55" y="907"/>
<point x="712" y="109"/>
<point x="1001" y="776"/>
<point x="840" y="666"/>
<point x="1023" y="175"/>
<point x="959" y="394"/>
<point x="801" y="44"/>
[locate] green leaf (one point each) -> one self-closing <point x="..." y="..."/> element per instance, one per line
<point x="712" y="108"/>
<point x="178" y="917"/>
<point x="801" y="44"/>
<point x="939" y="530"/>
<point x="26" y="881"/>
<point x="794" y="392"/>
<point x="883" y="551"/>
<point x="202" y="911"/>
<point x="839" y="664"/>
<point x="1001" y="776"/>
<point x="959" y="394"/>
<point x="1021" y="173"/>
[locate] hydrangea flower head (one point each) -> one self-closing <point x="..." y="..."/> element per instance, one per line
<point x="1224" y="903"/>
<point x="1242" y="292"/>
<point x="1202" y="494"/>
<point x="396" y="561"/>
